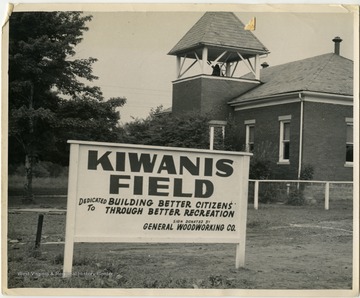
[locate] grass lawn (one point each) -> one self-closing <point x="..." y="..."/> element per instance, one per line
<point x="287" y="247"/>
<point x="41" y="186"/>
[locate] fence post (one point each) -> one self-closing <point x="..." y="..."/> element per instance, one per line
<point x="39" y="230"/>
<point x="327" y="195"/>
<point x="256" y="195"/>
<point x="288" y="189"/>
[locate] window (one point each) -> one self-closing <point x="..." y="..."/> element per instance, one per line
<point x="349" y="141"/>
<point x="284" y="146"/>
<point x="250" y="135"/>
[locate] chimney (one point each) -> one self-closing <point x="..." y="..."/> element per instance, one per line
<point x="264" y="65"/>
<point x="337" y="41"/>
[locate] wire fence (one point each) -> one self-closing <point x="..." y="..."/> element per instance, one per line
<point x="299" y="192"/>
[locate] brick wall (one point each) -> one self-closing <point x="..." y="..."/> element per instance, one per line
<point x="207" y="95"/>
<point x="186" y="97"/>
<point x="267" y="130"/>
<point x="324" y="140"/>
<point x="217" y="91"/>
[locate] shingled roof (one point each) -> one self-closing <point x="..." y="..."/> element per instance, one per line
<point x="328" y="73"/>
<point x="219" y="29"/>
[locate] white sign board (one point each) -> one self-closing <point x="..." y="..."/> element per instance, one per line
<point x="132" y="193"/>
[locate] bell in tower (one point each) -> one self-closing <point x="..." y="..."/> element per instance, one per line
<point x="208" y="57"/>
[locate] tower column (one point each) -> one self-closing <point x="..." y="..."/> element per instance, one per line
<point x="228" y="69"/>
<point x="257" y="67"/>
<point x="204" y="59"/>
<point x="178" y="66"/>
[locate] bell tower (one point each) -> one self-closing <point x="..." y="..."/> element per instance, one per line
<point x="209" y="58"/>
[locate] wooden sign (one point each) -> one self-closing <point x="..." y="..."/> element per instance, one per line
<point x="132" y="193"/>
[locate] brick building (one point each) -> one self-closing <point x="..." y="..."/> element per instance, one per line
<point x="297" y="114"/>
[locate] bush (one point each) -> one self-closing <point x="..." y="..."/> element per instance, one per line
<point x="268" y="193"/>
<point x="296" y="198"/>
<point x="42" y="169"/>
<point x="188" y="131"/>
<point x="259" y="169"/>
<point x="307" y="172"/>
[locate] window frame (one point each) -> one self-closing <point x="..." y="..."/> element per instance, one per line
<point x="249" y="124"/>
<point x="349" y="122"/>
<point x="282" y="121"/>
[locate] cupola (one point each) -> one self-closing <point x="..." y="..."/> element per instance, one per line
<point x="214" y="49"/>
<point x="219" y="39"/>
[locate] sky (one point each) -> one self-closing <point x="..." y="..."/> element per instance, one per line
<point x="132" y="47"/>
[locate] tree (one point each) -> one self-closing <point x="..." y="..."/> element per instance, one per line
<point x="160" y="129"/>
<point x="46" y="82"/>
<point x="189" y="130"/>
<point x="86" y="119"/>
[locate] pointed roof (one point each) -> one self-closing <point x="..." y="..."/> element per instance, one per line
<point x="327" y="73"/>
<point x="220" y="30"/>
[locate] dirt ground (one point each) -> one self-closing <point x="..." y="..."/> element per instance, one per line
<point x="287" y="247"/>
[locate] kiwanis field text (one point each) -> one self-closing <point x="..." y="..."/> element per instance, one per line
<point x="132" y="162"/>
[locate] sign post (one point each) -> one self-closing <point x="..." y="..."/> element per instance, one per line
<point x="132" y="193"/>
